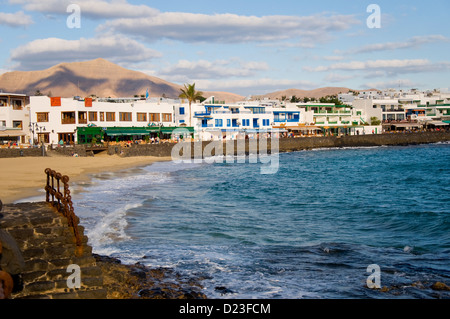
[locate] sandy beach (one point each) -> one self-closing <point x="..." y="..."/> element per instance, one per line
<point x="24" y="177"/>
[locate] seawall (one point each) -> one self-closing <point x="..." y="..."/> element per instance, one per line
<point x="285" y="144"/>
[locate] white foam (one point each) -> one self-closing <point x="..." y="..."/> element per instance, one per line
<point x="111" y="228"/>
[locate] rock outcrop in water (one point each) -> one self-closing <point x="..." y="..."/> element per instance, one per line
<point x="140" y="282"/>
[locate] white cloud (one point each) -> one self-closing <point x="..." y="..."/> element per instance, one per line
<point x="403" y="83"/>
<point x="414" y="42"/>
<point x="218" y="69"/>
<point x="334" y="58"/>
<point x="388" y="66"/>
<point x="17" y="19"/>
<point x="44" y="53"/>
<point x="230" y="28"/>
<point x="89" y="8"/>
<point x="335" y="77"/>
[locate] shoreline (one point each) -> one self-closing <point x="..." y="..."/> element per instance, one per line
<point x="24" y="177"/>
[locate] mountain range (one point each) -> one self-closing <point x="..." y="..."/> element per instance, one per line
<point x="102" y="78"/>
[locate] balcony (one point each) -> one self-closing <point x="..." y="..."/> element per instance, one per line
<point x="335" y="113"/>
<point x="68" y="121"/>
<point x="202" y="114"/>
<point x="394" y="111"/>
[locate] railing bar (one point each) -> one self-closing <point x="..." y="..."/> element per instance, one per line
<point x="64" y="203"/>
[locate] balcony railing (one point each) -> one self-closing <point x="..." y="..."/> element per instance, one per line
<point x="68" y="121"/>
<point x="323" y="113"/>
<point x="82" y="121"/>
<point x="202" y="114"/>
<point x="394" y="110"/>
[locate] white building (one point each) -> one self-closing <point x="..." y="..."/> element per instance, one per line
<point x="62" y="116"/>
<point x="14" y="119"/>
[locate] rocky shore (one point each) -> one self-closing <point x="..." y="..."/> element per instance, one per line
<point x="140" y="282"/>
<point x="48" y="248"/>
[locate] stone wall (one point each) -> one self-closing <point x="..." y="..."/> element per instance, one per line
<point x="158" y="150"/>
<point x="364" y="140"/>
<point x="20" y="152"/>
<point x="285" y="144"/>
<point x="48" y="247"/>
<point x="80" y="150"/>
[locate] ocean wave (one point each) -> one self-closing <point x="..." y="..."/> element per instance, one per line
<point x="111" y="228"/>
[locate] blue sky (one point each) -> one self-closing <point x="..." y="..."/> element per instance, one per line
<point x="245" y="47"/>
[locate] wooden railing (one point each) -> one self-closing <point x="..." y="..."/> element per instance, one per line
<point x="62" y="201"/>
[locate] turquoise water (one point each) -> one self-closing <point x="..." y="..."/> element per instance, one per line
<point x="309" y="231"/>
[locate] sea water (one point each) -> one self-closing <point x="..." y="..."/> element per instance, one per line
<point x="309" y="231"/>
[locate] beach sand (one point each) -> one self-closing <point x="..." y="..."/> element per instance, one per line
<point x="24" y="177"/>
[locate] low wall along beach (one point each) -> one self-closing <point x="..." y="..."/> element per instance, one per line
<point x="285" y="145"/>
<point x="294" y="144"/>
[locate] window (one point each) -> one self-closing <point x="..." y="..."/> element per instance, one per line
<point x="68" y="118"/>
<point x="266" y="122"/>
<point x="93" y="117"/>
<point x="43" y="138"/>
<point x="181" y="110"/>
<point x="102" y="116"/>
<point x="142" y="117"/>
<point x="110" y="116"/>
<point x="125" y="116"/>
<point x="42" y="117"/>
<point x="155" y="117"/>
<point x="219" y="122"/>
<point x="293" y="117"/>
<point x="82" y="117"/>
<point x="2" y="123"/>
<point x="17" y="124"/>
<point x="228" y="123"/>
<point x="167" y="117"/>
<point x="67" y="138"/>
<point x="3" y="102"/>
<point x="17" y="104"/>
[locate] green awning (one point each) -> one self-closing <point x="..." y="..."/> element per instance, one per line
<point x="132" y="131"/>
<point x="127" y="132"/>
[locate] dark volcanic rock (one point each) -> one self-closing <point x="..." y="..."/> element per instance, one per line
<point x="140" y="282"/>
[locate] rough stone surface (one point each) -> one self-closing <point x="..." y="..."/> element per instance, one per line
<point x="140" y="282"/>
<point x="48" y="247"/>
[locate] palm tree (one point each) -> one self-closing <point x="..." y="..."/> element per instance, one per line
<point x="191" y="95"/>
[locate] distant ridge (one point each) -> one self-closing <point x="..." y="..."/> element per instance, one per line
<point x="316" y="93"/>
<point x="103" y="78"/>
<point x="95" y="77"/>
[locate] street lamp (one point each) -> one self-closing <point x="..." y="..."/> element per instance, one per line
<point x="34" y="127"/>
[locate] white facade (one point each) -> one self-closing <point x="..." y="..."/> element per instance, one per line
<point x="62" y="119"/>
<point x="14" y="119"/>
